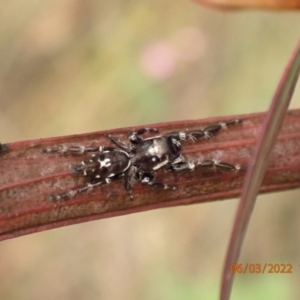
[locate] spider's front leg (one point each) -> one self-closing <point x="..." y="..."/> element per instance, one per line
<point x="210" y="163"/>
<point x="207" y="132"/>
<point x="125" y="147"/>
<point x="182" y="166"/>
<point x="220" y="165"/>
<point x="134" y="137"/>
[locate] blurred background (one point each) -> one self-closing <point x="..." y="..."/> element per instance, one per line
<point x="79" y="66"/>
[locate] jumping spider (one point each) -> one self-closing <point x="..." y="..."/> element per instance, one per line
<point x="140" y="159"/>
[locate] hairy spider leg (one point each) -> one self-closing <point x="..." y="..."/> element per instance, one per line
<point x="75" y="149"/>
<point x="72" y="193"/>
<point x="86" y="188"/>
<point x="207" y="132"/>
<point x="134" y="137"/>
<point x="210" y="163"/>
<point x="130" y="179"/>
<point x="124" y="146"/>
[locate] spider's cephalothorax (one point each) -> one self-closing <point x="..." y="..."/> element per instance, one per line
<point x="140" y="159"/>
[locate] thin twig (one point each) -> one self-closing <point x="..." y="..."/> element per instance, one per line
<point x="258" y="165"/>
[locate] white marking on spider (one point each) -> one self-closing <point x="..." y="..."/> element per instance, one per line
<point x="157" y="148"/>
<point x="191" y="165"/>
<point x="179" y="159"/>
<point x="153" y="150"/>
<point x="104" y="163"/>
<point x="223" y="125"/>
<point x="72" y="194"/>
<point x="182" y="135"/>
<point x="81" y="149"/>
<point x="89" y="187"/>
<point x="207" y="135"/>
<point x="146" y="180"/>
<point x="64" y="149"/>
<point x="176" y="142"/>
<point x="158" y="166"/>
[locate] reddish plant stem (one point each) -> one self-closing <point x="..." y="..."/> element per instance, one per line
<point x="28" y="177"/>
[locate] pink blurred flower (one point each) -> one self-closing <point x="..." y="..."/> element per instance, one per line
<point x="159" y="60"/>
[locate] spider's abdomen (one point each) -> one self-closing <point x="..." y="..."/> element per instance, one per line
<point x="104" y="164"/>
